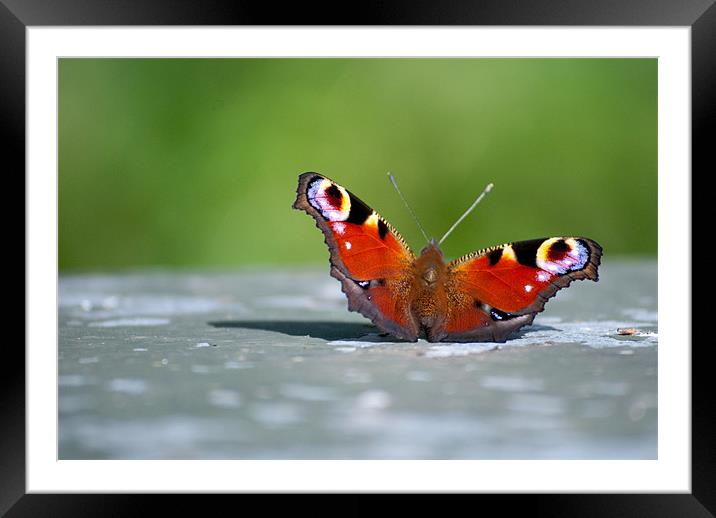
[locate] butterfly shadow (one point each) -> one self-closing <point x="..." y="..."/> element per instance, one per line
<point x="323" y="329"/>
<point x="328" y="330"/>
<point x="520" y="333"/>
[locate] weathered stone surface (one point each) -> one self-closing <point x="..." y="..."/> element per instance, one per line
<point x="269" y="364"/>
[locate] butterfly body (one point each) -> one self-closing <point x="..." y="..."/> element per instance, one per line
<point x="483" y="296"/>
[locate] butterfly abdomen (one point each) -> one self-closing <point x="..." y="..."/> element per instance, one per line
<point x="428" y="296"/>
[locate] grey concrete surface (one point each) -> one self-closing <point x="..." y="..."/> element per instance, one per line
<point x="262" y="364"/>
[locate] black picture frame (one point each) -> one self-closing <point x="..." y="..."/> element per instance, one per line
<point x="699" y="15"/>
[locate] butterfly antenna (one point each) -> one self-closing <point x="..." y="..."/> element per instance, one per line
<point x="468" y="211"/>
<point x="395" y="184"/>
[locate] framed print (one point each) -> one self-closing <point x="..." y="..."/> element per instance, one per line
<point x="183" y="333"/>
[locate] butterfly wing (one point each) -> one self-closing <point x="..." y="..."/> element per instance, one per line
<point x="367" y="255"/>
<point x="496" y="291"/>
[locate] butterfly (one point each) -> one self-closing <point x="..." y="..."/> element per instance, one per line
<point x="483" y="296"/>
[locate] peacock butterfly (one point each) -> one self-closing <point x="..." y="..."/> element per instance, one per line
<point x="480" y="297"/>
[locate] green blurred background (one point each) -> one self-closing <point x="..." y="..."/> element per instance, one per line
<point x="194" y="162"/>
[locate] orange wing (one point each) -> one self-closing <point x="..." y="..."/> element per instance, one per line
<point x="496" y="291"/>
<point x="368" y="256"/>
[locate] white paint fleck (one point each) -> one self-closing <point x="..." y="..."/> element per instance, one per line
<point x="131" y="322"/>
<point x="458" y="349"/>
<point x="352" y="343"/>
<point x="307" y="392"/>
<point x="348" y="245"/>
<point x="238" y="365"/>
<point x="374" y="400"/>
<point x="133" y="387"/>
<point x="512" y="383"/>
<point x="102" y="306"/>
<point x="203" y="344"/>
<point x="528" y="288"/>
